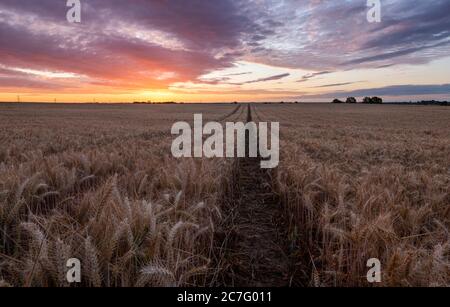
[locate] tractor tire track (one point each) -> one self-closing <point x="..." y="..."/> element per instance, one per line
<point x="223" y="118"/>
<point x="256" y="114"/>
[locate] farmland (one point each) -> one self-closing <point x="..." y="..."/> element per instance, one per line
<point x="99" y="183"/>
<point x="366" y="182"/>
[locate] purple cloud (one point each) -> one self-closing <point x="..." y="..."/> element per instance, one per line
<point x="271" y="78"/>
<point x="396" y="90"/>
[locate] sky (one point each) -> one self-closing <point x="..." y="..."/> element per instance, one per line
<point x="223" y="50"/>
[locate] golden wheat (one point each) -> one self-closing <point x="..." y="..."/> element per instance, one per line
<point x="367" y="182"/>
<point x="109" y="194"/>
<point x="355" y="182"/>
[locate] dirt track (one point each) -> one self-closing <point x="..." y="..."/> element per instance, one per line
<point x="255" y="252"/>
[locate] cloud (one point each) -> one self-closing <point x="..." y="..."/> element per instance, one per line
<point x="313" y="75"/>
<point x="325" y="35"/>
<point x="133" y="44"/>
<point x="335" y="84"/>
<point x="29" y="83"/>
<point x="395" y="90"/>
<point x="390" y="55"/>
<point x="271" y="78"/>
<point x="239" y="74"/>
<point x="250" y="92"/>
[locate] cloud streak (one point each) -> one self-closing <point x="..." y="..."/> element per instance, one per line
<point x="266" y="79"/>
<point x="335" y="84"/>
<point x="395" y="90"/>
<point x="313" y="75"/>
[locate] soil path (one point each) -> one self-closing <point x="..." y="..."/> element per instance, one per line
<point x="255" y="255"/>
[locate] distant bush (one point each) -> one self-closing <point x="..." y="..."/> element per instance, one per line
<point x="373" y="100"/>
<point x="351" y="100"/>
<point x="377" y="100"/>
<point x="366" y="100"/>
<point x="433" y="102"/>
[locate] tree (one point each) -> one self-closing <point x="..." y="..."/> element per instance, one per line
<point x="337" y="101"/>
<point x="367" y="100"/>
<point x="351" y="100"/>
<point x="377" y="100"/>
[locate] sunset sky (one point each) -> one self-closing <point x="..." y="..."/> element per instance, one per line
<point x="223" y="50"/>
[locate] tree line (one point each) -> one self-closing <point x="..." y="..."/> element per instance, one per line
<point x="366" y="100"/>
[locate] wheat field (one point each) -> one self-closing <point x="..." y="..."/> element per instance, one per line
<point x="99" y="183"/>
<point x="362" y="182"/>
